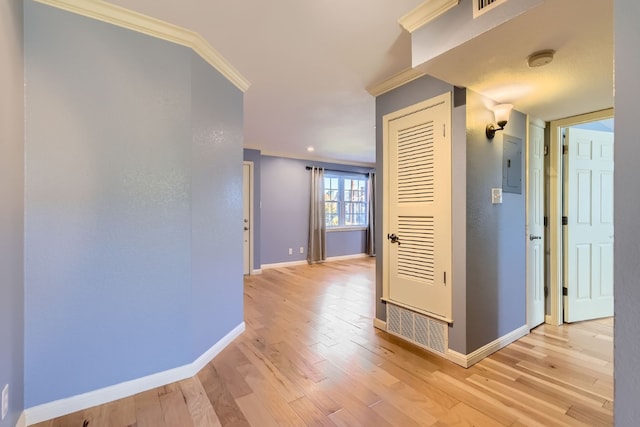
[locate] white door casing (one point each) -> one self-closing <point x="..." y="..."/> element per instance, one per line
<point x="247" y="216"/>
<point x="417" y="187"/>
<point x="589" y="231"/>
<point x="535" y="223"/>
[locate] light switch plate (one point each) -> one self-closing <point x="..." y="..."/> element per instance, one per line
<point x="496" y="196"/>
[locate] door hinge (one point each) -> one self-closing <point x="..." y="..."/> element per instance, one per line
<point x="444" y="131"/>
<point x="565" y="220"/>
<point x="545" y="221"/>
<point x="565" y="291"/>
<point x="565" y="149"/>
<point x="546" y="291"/>
<point x="445" y="277"/>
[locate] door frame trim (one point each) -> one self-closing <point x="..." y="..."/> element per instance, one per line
<point x="251" y="196"/>
<point x="556" y="315"/>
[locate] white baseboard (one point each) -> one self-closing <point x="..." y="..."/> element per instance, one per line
<point x="346" y="257"/>
<point x="467" y="360"/>
<point x="379" y="324"/>
<point x="283" y="264"/>
<point x="22" y="421"/>
<point x="295" y="263"/>
<point x="66" y="406"/>
<point x="256" y="271"/>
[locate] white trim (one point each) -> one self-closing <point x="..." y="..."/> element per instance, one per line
<point x="425" y="13"/>
<point x="417" y="310"/>
<point x="379" y="324"/>
<point x="256" y="271"/>
<point x="129" y="19"/>
<point x="101" y="396"/>
<point x="395" y="81"/>
<point x="303" y="262"/>
<point x="468" y="360"/>
<point x="314" y="159"/>
<point x="22" y="421"/>
<point x="346" y="257"/>
<point x="251" y="211"/>
<point x="283" y="264"/>
<point x="556" y="316"/>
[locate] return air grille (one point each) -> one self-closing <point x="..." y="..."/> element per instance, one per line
<point x="424" y="331"/>
<point x="482" y="6"/>
<point x="416" y="164"/>
<point x="416" y="251"/>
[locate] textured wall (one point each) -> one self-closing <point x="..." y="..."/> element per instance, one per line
<point x="11" y="208"/>
<point x="496" y="239"/>
<point x="133" y="193"/>
<point x="285" y="193"/>
<point x="627" y="207"/>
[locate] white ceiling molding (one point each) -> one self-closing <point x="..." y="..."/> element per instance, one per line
<point x="395" y="81"/>
<point x="426" y="12"/>
<point x="125" y="18"/>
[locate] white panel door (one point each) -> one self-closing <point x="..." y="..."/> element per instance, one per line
<point x="589" y="229"/>
<point x="246" y="214"/>
<point x="535" y="226"/>
<point x="419" y="206"/>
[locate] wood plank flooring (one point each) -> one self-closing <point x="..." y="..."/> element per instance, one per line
<point x="310" y="356"/>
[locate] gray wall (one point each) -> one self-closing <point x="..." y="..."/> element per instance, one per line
<point x="285" y="194"/>
<point x="627" y="207"/>
<point x="11" y="208"/>
<point x="133" y="193"/>
<point x="496" y="244"/>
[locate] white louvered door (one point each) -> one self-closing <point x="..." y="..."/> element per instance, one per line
<point x="419" y="207"/>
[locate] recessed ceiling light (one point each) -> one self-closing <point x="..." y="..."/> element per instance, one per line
<point x="310" y="149"/>
<point x="540" y="58"/>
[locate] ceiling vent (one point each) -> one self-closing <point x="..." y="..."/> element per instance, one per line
<point x="482" y="6"/>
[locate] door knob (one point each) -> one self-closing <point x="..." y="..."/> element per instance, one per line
<point x="532" y="237"/>
<point x="393" y="238"/>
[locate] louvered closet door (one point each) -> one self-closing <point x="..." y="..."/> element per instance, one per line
<point x="419" y="171"/>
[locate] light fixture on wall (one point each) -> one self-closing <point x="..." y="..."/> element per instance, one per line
<point x="501" y="113"/>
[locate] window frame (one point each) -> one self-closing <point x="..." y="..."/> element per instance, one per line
<point x="341" y="201"/>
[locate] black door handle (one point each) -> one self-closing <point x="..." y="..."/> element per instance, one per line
<point x="393" y="238"/>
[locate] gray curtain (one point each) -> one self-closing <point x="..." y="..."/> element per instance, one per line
<point x="317" y="251"/>
<point x="371" y="229"/>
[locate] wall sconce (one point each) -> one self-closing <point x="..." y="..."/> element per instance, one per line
<point x="501" y="113"/>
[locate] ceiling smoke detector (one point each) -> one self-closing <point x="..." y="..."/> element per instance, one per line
<point x="540" y="58"/>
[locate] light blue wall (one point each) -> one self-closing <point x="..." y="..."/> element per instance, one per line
<point x="496" y="239"/>
<point x="285" y="194"/>
<point x="133" y="194"/>
<point x="627" y="209"/>
<point x="11" y="209"/>
<point x="216" y="206"/>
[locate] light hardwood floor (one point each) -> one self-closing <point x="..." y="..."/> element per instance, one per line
<point x="310" y="356"/>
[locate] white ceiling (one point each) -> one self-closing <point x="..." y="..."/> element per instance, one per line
<point x="309" y="64"/>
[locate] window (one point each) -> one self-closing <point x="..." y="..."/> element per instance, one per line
<point x="345" y="201"/>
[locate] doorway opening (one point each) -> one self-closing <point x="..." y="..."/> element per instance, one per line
<point x="579" y="209"/>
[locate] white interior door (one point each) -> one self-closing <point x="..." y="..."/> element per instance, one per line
<point x="535" y="225"/>
<point x="247" y="198"/>
<point x="419" y="206"/>
<point x="589" y="230"/>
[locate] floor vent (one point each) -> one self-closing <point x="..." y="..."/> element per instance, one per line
<point x="482" y="6"/>
<point x="424" y="331"/>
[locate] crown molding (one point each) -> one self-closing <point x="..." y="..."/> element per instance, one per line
<point x="427" y="11"/>
<point x="395" y="81"/>
<point x="129" y="19"/>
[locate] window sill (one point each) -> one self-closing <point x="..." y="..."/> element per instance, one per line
<point x="332" y="229"/>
